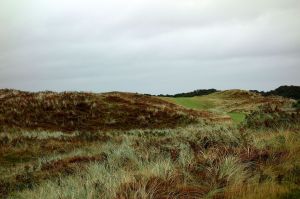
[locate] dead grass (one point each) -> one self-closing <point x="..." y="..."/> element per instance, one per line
<point x="70" y="111"/>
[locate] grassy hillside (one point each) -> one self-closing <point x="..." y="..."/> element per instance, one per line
<point x="201" y="103"/>
<point x="235" y="103"/>
<point x="71" y="111"/>
<point x="180" y="155"/>
<point x="292" y="92"/>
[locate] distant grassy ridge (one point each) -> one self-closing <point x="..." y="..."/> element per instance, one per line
<point x="194" y="93"/>
<point x="235" y="103"/>
<point x="292" y="92"/>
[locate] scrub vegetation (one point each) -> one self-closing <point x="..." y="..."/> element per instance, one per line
<point x="126" y="146"/>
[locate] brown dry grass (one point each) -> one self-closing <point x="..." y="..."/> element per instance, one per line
<point x="70" y="111"/>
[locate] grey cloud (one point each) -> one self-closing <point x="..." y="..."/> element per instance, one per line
<point x="149" y="45"/>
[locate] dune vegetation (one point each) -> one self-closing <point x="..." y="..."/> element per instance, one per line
<point x="122" y="146"/>
<point x="234" y="103"/>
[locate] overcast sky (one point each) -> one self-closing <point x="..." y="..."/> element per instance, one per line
<point x="149" y="46"/>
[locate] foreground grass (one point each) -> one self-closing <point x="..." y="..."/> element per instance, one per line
<point x="198" y="161"/>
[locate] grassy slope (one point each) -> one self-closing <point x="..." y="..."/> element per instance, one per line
<point x="235" y="103"/>
<point x="193" y="102"/>
<point x="88" y="111"/>
<point x="237" y="117"/>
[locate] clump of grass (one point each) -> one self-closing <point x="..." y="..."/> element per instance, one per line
<point x="232" y="170"/>
<point x="271" y="116"/>
<point x="161" y="168"/>
<point x="186" y="156"/>
<point x="99" y="181"/>
<point x="121" y="156"/>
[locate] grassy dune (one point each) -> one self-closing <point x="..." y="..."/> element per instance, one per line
<point x="234" y="103"/>
<point x="72" y="111"/>
<point x="257" y="159"/>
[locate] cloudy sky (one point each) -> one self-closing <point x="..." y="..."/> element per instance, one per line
<point x="149" y="46"/>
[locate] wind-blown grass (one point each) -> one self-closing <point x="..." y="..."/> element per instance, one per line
<point x="191" y="162"/>
<point x="202" y="160"/>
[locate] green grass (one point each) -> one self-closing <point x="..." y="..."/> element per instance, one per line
<point x="193" y="102"/>
<point x="227" y="101"/>
<point x="237" y="117"/>
<point x="203" y="103"/>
